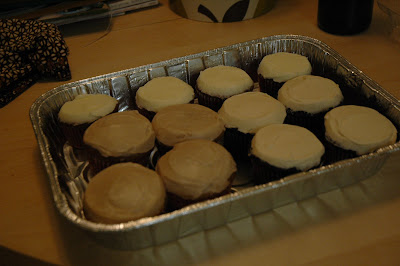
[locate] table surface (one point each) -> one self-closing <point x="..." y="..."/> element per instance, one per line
<point x="354" y="225"/>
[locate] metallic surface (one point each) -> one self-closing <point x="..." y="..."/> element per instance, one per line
<point x="68" y="173"/>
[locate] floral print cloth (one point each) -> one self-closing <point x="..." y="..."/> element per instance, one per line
<point x="29" y="50"/>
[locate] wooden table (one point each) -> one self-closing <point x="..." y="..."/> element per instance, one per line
<point x="355" y="225"/>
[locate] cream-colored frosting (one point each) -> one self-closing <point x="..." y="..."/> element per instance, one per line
<point x="224" y="81"/>
<point x="284" y="66"/>
<point x="120" y="134"/>
<point x="86" y="108"/>
<point x="311" y="94"/>
<point x="163" y="91"/>
<point x="250" y="111"/>
<point x="195" y="168"/>
<point x="287" y="146"/>
<point x="358" y="128"/>
<point x="124" y="192"/>
<point x="174" y="124"/>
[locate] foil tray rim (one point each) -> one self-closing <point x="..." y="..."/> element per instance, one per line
<point x="51" y="169"/>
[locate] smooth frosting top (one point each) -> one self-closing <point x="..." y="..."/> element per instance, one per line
<point x="124" y="192"/>
<point x="358" y="128"/>
<point x="176" y="123"/>
<point x="86" y="108"/>
<point x="284" y="66"/>
<point x="287" y="146"/>
<point x="195" y="168"/>
<point x="163" y="91"/>
<point x="311" y="94"/>
<point x="224" y="81"/>
<point x="250" y="111"/>
<point x="120" y="134"/>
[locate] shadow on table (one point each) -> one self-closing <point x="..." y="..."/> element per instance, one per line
<point x="94" y="29"/>
<point x="9" y="257"/>
<point x="199" y="247"/>
<point x="99" y="25"/>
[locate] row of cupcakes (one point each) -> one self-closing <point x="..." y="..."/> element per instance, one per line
<point x="260" y="110"/>
<point x="303" y="100"/>
<point x="129" y="191"/>
<point x="193" y="168"/>
<point x="276" y="149"/>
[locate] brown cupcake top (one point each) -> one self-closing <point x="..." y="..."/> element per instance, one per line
<point x="195" y="168"/>
<point x="124" y="192"/>
<point x="120" y="134"/>
<point x="177" y="123"/>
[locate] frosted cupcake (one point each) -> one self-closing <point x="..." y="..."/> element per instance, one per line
<point x="177" y="123"/>
<point x="243" y="115"/>
<point x="194" y="171"/>
<point x="162" y="92"/>
<point x="356" y="130"/>
<point x="215" y="84"/>
<point x="275" y="69"/>
<point x="124" y="192"/>
<point x="76" y="116"/>
<point x="307" y="98"/>
<point x="280" y="150"/>
<point x="120" y="137"/>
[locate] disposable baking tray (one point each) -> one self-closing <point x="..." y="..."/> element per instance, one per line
<point x="68" y="175"/>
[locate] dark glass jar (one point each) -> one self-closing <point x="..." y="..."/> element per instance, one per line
<point x="344" y="17"/>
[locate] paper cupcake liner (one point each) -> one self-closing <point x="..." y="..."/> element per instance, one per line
<point x="269" y="86"/>
<point x="334" y="153"/>
<point x="263" y="172"/>
<point x="162" y="148"/>
<point x="97" y="162"/>
<point x="312" y="122"/>
<point x="237" y="143"/>
<point x="146" y="113"/>
<point x="74" y="133"/>
<point x="150" y="114"/>
<point x="175" y="202"/>
<point x="209" y="101"/>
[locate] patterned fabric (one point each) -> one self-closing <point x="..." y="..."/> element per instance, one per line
<point x="29" y="50"/>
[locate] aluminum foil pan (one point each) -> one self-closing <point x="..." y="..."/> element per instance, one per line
<point x="68" y="174"/>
